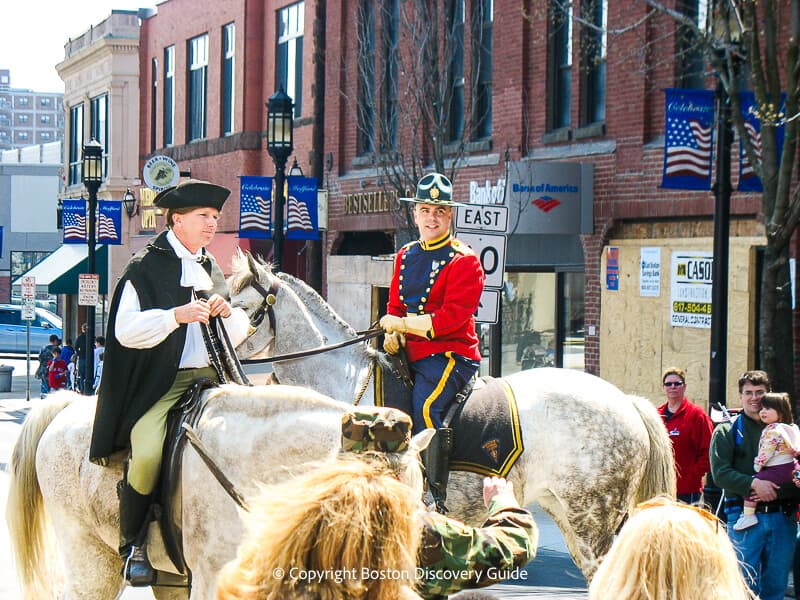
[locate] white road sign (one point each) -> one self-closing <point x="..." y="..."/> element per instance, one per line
<point x="482" y="217"/>
<point x="88" y="289"/>
<point x="28" y="286"/>
<point x="28" y="309"/>
<point x="489" y="308"/>
<point x="491" y="249"/>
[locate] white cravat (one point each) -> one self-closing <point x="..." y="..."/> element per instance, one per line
<point x="192" y="272"/>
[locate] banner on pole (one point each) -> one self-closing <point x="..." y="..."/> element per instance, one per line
<point x="688" y="140"/>
<point x="255" y="207"/>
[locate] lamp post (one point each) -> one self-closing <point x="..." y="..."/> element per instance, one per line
<point x="92" y="178"/>
<point x="280" y="126"/>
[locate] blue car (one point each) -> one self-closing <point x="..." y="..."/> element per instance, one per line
<point x="13" y="330"/>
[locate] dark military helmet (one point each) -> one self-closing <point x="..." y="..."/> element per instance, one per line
<point x="376" y="429"/>
<point x="192" y="193"/>
<point x="434" y="188"/>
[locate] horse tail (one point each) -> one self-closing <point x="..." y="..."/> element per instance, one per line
<point x="28" y="526"/>
<point x="659" y="474"/>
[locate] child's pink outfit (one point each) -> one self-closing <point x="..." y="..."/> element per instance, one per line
<point x="775" y="462"/>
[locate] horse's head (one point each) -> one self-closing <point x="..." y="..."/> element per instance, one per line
<point x="253" y="287"/>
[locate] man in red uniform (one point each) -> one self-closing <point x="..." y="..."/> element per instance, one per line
<point x="435" y="291"/>
<point x="690" y="429"/>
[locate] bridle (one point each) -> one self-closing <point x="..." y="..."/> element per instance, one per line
<point x="268" y="299"/>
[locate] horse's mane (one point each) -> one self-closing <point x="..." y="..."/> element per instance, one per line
<point x="243" y="274"/>
<point x="314" y="302"/>
<point x="269" y="400"/>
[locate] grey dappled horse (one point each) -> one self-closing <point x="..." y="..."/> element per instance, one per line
<point x="591" y="451"/>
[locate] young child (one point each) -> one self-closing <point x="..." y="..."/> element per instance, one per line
<point x="56" y="370"/>
<point x="777" y="448"/>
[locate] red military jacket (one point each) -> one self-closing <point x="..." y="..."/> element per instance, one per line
<point x="444" y="279"/>
<point x="690" y="430"/>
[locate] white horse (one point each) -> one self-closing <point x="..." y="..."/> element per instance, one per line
<point x="255" y="434"/>
<point x="591" y="451"/>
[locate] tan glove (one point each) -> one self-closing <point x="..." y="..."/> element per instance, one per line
<point x="393" y="341"/>
<point x="392" y="324"/>
<point x="421" y="325"/>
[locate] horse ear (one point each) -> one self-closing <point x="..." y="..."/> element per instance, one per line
<point x="251" y="263"/>
<point x="421" y="441"/>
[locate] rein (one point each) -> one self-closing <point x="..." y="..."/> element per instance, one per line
<point x="361" y="336"/>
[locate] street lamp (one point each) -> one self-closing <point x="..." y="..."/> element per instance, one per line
<point x="129" y="202"/>
<point x="92" y="178"/>
<point x="280" y="126"/>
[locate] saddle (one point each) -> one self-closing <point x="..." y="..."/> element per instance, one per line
<point x="487" y="437"/>
<point x="166" y="508"/>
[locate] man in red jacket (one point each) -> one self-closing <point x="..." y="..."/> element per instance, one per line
<point x="690" y="429"/>
<point x="433" y="296"/>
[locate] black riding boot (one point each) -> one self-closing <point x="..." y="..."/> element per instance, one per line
<point x="436" y="460"/>
<point x="134" y="518"/>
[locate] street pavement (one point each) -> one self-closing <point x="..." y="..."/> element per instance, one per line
<point x="552" y="574"/>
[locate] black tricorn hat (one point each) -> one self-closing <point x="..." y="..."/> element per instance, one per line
<point x="192" y="193"/>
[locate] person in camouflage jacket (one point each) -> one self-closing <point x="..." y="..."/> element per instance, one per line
<point x="453" y="556"/>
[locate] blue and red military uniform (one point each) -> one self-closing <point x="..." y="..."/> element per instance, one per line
<point x="444" y="279"/>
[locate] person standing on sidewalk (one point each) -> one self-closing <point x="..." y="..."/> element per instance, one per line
<point x="764" y="550"/>
<point x="689" y="429"/>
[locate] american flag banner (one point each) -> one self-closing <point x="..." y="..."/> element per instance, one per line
<point x="748" y="177"/>
<point x="73" y="215"/>
<point x="688" y="139"/>
<point x="301" y="218"/>
<point x="255" y="207"/>
<point x="109" y="222"/>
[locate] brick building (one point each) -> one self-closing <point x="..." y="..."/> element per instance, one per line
<point x="27" y="117"/>
<point x="525" y="95"/>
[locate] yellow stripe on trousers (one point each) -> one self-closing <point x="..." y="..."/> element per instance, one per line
<point x="426" y="407"/>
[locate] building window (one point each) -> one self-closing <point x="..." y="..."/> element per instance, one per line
<point x="44" y="118"/>
<point x="483" y="18"/>
<point x="98" y="130"/>
<point x="23" y="135"/>
<point x="289" y="67"/>
<point x="45" y="101"/>
<point x="169" y="96"/>
<point x="24" y="101"/>
<point x="23" y="118"/>
<point x="389" y="41"/>
<point x="366" y="77"/>
<point x="45" y="135"/>
<point x="690" y="61"/>
<point x="593" y="57"/>
<point x="198" y="87"/>
<point x="454" y="49"/>
<point x="228" y="76"/>
<point x="559" y="59"/>
<point x="75" y="143"/>
<point x="153" y="103"/>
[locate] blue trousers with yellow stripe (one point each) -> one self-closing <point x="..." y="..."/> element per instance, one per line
<point x="437" y="380"/>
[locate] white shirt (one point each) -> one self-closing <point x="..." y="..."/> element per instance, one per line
<point x="140" y="329"/>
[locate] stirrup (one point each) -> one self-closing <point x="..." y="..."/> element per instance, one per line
<point x="137" y="571"/>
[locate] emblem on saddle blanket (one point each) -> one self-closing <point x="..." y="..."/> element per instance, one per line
<point x="487" y="436"/>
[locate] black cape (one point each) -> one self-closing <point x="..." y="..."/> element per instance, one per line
<point x="133" y="380"/>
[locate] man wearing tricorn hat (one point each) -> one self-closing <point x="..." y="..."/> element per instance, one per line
<point x="155" y="349"/>
<point x="434" y="293"/>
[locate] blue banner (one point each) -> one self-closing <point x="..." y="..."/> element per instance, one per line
<point x="301" y="214"/>
<point x="748" y="178"/>
<point x="688" y="139"/>
<point x="109" y="222"/>
<point x="73" y="216"/>
<point x="1" y="241"/>
<point x="255" y="207"/>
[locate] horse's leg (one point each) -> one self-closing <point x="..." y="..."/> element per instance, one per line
<point x="91" y="569"/>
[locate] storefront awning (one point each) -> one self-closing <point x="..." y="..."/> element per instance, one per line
<point x="58" y="273"/>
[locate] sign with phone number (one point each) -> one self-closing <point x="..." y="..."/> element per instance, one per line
<point x="690" y="288"/>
